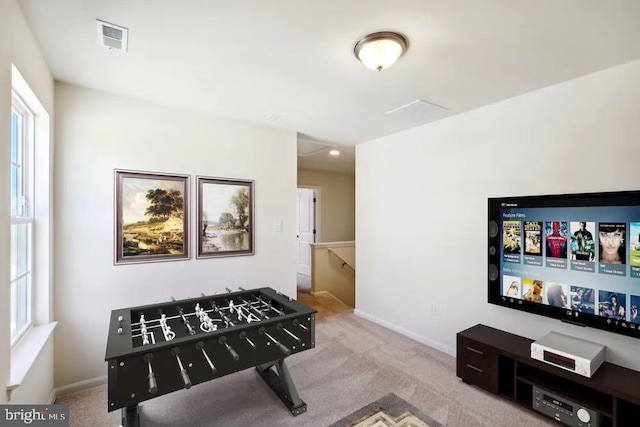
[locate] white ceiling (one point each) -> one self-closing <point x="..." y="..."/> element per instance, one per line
<point x="290" y="63"/>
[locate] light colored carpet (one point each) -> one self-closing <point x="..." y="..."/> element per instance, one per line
<point x="354" y="363"/>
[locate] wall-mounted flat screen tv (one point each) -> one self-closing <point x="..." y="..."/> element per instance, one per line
<point x="573" y="257"/>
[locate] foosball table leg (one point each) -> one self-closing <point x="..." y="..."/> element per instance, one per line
<point x="282" y="385"/>
<point x="131" y="416"/>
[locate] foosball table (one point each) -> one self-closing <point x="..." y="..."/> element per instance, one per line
<point x="157" y="349"/>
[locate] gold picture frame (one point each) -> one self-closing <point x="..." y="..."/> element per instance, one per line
<point x="151" y="217"/>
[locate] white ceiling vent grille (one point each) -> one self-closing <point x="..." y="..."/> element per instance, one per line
<point x="416" y="111"/>
<point x="111" y="36"/>
<point x="307" y="147"/>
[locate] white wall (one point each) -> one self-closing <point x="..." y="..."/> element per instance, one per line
<point x="97" y="133"/>
<point x="37" y="386"/>
<point x="18" y="46"/>
<point x="421" y="204"/>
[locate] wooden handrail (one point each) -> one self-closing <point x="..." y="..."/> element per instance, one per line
<point x="347" y="258"/>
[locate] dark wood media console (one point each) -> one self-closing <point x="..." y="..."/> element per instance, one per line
<point x="501" y="363"/>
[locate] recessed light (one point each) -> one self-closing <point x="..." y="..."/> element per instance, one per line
<point x="334" y="152"/>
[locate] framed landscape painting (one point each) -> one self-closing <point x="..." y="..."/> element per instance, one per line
<point x="152" y="217"/>
<point x="225" y="217"/>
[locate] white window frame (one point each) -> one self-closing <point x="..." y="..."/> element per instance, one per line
<point x="24" y="213"/>
<point x="26" y="348"/>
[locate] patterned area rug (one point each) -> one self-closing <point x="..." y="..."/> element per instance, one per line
<point x="389" y="411"/>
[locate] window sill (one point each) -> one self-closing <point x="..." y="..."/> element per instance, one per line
<point x="26" y="352"/>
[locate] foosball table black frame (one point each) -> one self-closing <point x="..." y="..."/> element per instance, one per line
<point x="224" y="334"/>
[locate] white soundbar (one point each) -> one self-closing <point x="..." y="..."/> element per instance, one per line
<point x="569" y="353"/>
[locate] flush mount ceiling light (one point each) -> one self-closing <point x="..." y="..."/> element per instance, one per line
<point x="380" y="50"/>
<point x="334" y="152"/>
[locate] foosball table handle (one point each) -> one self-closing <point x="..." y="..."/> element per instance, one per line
<point x="284" y="349"/>
<point x="232" y="352"/>
<point x="185" y="377"/>
<point x="153" y="386"/>
<point x="278" y="344"/>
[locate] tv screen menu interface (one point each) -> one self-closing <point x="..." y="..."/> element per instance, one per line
<point x="585" y="259"/>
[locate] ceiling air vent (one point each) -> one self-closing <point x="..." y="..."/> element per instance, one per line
<point x="416" y="111"/>
<point x="307" y="147"/>
<point x="111" y="36"/>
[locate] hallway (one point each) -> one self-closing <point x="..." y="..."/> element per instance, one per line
<point x="326" y="305"/>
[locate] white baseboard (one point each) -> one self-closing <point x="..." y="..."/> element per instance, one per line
<point x="52" y="397"/>
<point x="407" y="333"/>
<point x="79" y="386"/>
<point x="330" y="295"/>
<point x="315" y="294"/>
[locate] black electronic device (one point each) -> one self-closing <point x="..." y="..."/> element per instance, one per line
<point x="564" y="410"/>
<point x="573" y="257"/>
<point x="161" y="348"/>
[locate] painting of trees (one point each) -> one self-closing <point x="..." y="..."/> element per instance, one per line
<point x="225" y="209"/>
<point x="164" y="203"/>
<point x="226" y="221"/>
<point x="152" y="219"/>
<point x="240" y="201"/>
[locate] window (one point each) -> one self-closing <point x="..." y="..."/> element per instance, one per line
<point x="29" y="177"/>
<point x="22" y="219"/>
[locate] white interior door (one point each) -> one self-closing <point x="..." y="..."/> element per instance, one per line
<point x="306" y="228"/>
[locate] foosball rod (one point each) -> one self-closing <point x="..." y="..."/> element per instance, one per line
<point x="185" y="377"/>
<point x="296" y="323"/>
<point x="243" y="336"/>
<point x="271" y="307"/>
<point x="282" y="328"/>
<point x="222" y="316"/>
<point x="248" y="315"/>
<point x="148" y="321"/>
<point x="223" y="340"/>
<point x="260" y="313"/>
<point x="200" y="346"/>
<point x="153" y="387"/>
<point x="186" y="322"/>
<point x="278" y="344"/>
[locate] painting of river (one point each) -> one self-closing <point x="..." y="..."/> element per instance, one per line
<point x="151" y="217"/>
<point x="225" y="240"/>
<point x="225" y="211"/>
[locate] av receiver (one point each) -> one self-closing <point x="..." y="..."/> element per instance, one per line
<point x="564" y="410"/>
